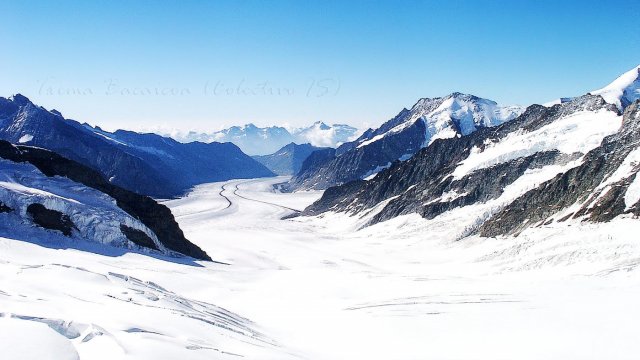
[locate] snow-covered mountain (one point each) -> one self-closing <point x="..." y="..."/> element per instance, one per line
<point x="44" y="196"/>
<point x="624" y="90"/>
<point x="145" y="163"/>
<point x="577" y="160"/>
<point x="320" y="134"/>
<point x="255" y="140"/>
<point x="399" y="138"/>
<point x="288" y="160"/>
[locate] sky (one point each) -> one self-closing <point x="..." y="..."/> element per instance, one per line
<point x="204" y="65"/>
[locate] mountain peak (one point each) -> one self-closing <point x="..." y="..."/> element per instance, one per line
<point x="321" y="125"/>
<point x="453" y="95"/>
<point x="457" y="94"/>
<point x="622" y="91"/>
<point x="20" y="99"/>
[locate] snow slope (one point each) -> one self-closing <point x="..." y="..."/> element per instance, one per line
<point x="578" y="132"/>
<point x="95" y="214"/>
<point x="314" y="288"/>
<point x="622" y="91"/>
<point x="405" y="289"/>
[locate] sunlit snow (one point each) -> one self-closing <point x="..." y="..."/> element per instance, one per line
<point x="314" y="288"/>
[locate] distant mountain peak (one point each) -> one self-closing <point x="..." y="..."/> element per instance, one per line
<point x="255" y="140"/>
<point x="287" y="160"/>
<point x="321" y="125"/>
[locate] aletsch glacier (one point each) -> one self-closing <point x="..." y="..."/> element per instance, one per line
<point x="498" y="224"/>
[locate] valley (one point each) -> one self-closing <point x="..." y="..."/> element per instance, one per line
<point x="315" y="288"/>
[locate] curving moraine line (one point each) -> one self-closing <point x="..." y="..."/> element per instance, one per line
<point x="235" y="192"/>
<point x="224" y="196"/>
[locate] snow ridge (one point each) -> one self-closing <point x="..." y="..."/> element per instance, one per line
<point x="622" y="91"/>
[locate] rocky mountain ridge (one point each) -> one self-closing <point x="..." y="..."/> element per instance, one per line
<point x="144" y="163"/>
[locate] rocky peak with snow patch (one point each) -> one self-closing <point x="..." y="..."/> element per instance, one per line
<point x="401" y="137"/>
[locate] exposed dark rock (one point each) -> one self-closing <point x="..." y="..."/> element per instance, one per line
<point x="317" y="159"/>
<point x="138" y="237"/>
<point x="4" y="208"/>
<point x="156" y="217"/>
<point x="50" y="219"/>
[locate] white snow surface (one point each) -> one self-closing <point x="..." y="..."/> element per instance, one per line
<point x="632" y="196"/>
<point x="626" y="87"/>
<point x="25" y="138"/>
<point x="577" y="133"/>
<point x="26" y="340"/>
<point x="315" y="288"/>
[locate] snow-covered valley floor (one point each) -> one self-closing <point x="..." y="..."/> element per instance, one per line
<point x="314" y="288"/>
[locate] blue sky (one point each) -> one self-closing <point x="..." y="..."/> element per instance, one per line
<point x="207" y="64"/>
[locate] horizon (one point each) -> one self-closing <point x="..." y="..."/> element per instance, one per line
<point x="205" y="67"/>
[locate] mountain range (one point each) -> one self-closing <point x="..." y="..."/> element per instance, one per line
<point x="401" y="137"/>
<point x="577" y="159"/>
<point x="255" y="140"/>
<point x="494" y="170"/>
<point x="148" y="164"/>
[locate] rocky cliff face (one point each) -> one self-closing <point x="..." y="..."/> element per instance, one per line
<point x="57" y="183"/>
<point x="400" y="138"/>
<point x="571" y="155"/>
<point x="144" y="163"/>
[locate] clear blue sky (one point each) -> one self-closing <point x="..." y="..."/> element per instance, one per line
<point x="205" y="64"/>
